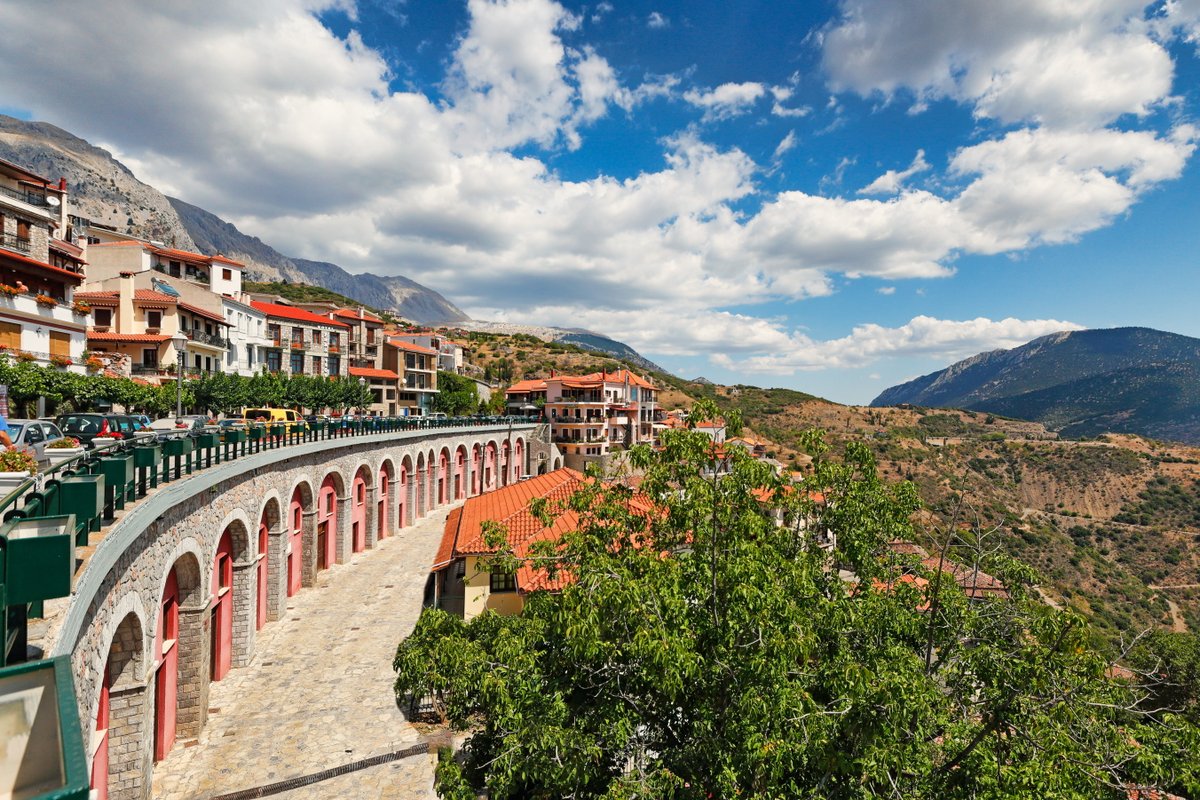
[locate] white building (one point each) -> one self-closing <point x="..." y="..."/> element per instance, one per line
<point x="247" y="335"/>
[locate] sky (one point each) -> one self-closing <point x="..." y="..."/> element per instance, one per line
<point x="829" y="196"/>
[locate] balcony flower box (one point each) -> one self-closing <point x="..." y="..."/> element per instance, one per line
<point x="46" y="301"/>
<point x="102" y="442"/>
<point x="41" y="555"/>
<point x="81" y="308"/>
<point x="61" y="361"/>
<point x="16" y="466"/>
<point x="24" y="356"/>
<point x="64" y="449"/>
<point x="9" y="291"/>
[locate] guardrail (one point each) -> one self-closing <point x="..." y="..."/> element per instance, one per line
<point x="93" y="486"/>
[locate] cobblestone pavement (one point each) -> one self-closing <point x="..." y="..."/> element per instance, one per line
<point x="318" y="692"/>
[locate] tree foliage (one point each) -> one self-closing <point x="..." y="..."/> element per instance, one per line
<point x="214" y="392"/>
<point x="456" y="395"/>
<point x="703" y="651"/>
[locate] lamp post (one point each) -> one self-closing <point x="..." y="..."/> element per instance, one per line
<point x="362" y="385"/>
<point x="180" y="342"/>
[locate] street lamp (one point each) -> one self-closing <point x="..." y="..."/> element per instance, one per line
<point x="180" y="341"/>
<point x="362" y="386"/>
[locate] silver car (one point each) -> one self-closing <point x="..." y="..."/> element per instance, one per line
<point x="33" y="435"/>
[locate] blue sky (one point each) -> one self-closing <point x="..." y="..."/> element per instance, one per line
<point x="831" y="196"/>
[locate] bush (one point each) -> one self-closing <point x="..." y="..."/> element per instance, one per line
<point x="18" y="461"/>
<point x="65" y="443"/>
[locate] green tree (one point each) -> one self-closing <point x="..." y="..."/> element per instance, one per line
<point x="456" y="395"/>
<point x="700" y="650"/>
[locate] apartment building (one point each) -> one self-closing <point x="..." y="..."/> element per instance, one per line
<point x="451" y="354"/>
<point x="40" y="269"/>
<point x="416" y="369"/>
<point x="248" y="338"/>
<point x="591" y="416"/>
<point x="138" y="324"/>
<point x="301" y="342"/>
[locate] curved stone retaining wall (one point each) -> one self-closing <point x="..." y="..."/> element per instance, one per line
<point x="201" y="563"/>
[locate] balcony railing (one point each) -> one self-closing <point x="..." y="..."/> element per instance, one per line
<point x="577" y="420"/>
<point x="208" y="338"/>
<point x="24" y="196"/>
<point x="12" y="242"/>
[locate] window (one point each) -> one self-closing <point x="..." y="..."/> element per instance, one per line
<point x="503" y="582"/>
<point x="150" y="357"/>
<point x="274" y="361"/>
<point x="335" y="365"/>
<point x="102" y="317"/>
<point x="316" y="365"/>
<point x="226" y="274"/>
<point x="335" y="339"/>
<point x="316" y="337"/>
<point x="10" y="335"/>
<point x="60" y="344"/>
<point x="153" y="319"/>
<point x="297" y="364"/>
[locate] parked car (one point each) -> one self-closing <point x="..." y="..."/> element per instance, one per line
<point x="32" y="435"/>
<point x="86" y="426"/>
<point x="142" y="418"/>
<point x="232" y="422"/>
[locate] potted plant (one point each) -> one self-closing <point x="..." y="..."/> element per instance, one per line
<point x="93" y="364"/>
<point x="8" y="291"/>
<point x="45" y="300"/>
<point x="81" y="308"/>
<point x="60" y="360"/>
<point x="15" y="468"/>
<point x="24" y="356"/>
<point x="63" y="449"/>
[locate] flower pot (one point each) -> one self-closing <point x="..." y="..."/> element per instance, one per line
<point x="58" y="455"/>
<point x="9" y="481"/>
<point x="102" y="441"/>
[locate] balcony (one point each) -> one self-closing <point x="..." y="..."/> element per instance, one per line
<point x="211" y="339"/>
<point x="12" y="242"/>
<point x="577" y="420"/>
<point x="333" y="348"/>
<point x="297" y="344"/>
<point x="26" y="303"/>
<point x="25" y="196"/>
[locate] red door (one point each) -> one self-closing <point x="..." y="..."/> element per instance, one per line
<point x="382" y="514"/>
<point x="222" y="608"/>
<point x="358" y="523"/>
<point x="327" y="524"/>
<point x="166" y="678"/>
<point x="296" y="542"/>
<point x="263" y="537"/>
<point x="100" y="759"/>
<point x="443" y="470"/>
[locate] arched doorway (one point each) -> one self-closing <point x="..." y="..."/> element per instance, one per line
<point x="119" y="755"/>
<point x="221" y="608"/>
<point x="519" y="462"/>
<point x="460" y="470"/>
<point x="443" y="479"/>
<point x="419" y="487"/>
<point x="505" y="463"/>
<point x="295" y="533"/>
<point x="327" y="523"/>
<point x="381" y="510"/>
<point x="476" y="469"/>
<point x="166" y="677"/>
<point x="403" y="511"/>
<point x="358" y="511"/>
<point x="489" y="467"/>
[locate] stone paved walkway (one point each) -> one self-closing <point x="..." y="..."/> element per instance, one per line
<point x="318" y="692"/>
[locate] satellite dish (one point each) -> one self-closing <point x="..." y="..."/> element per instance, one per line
<point x="52" y="201"/>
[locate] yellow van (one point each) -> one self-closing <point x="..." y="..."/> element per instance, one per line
<point x="271" y="415"/>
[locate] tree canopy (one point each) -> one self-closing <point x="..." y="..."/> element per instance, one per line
<point x="456" y="395"/>
<point x="704" y="651"/>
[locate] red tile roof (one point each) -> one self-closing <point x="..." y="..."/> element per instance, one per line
<point x="411" y="348"/>
<point x="33" y="262"/>
<point x="225" y="260"/>
<point x="297" y="314"/>
<point x="125" y="337"/>
<point x="526" y="386"/>
<point x="353" y="313"/>
<point x="371" y="372"/>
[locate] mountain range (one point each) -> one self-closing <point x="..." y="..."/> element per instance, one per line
<point x="1079" y="383"/>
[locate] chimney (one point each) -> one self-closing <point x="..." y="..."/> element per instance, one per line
<point x="124" y="321"/>
<point x="62" y="184"/>
<point x="551" y="373"/>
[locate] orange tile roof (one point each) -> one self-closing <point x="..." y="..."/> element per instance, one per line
<point x="349" y="313"/>
<point x="619" y="377"/>
<point x="371" y="372"/>
<point x="125" y="337"/>
<point x="33" y="262"/>
<point x="139" y="296"/>
<point x="525" y="386"/>
<point x="226" y="260"/>
<point x="297" y="314"/>
<point x="411" y="348"/>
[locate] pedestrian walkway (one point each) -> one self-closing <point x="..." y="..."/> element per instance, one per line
<point x="318" y="693"/>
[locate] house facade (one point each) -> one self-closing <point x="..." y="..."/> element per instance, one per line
<point x="416" y="368"/>
<point x="40" y="269"/>
<point x="300" y="342"/>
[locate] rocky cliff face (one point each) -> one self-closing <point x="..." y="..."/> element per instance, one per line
<point x="102" y="188"/>
<point x="105" y="191"/>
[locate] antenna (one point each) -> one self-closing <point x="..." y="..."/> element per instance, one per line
<point x="52" y="201"/>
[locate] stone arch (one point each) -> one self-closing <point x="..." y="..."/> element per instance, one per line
<point x="460" y="472"/>
<point x="519" y="458"/>
<point x="385" y="499"/>
<point x="300" y="549"/>
<point x="404" y="513"/>
<point x="430" y="488"/>
<point x="443" y="485"/>
<point x="121" y="756"/>
<point x="232" y="592"/>
<point x="489" y="465"/>
<point x="558" y="463"/>
<point x="331" y="534"/>
<point x="270" y="556"/>
<point x="180" y="649"/>
<point x="360" y="499"/>
<point x="505" y="463"/>
<point x="476" y="469"/>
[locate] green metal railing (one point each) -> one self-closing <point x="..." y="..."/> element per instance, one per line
<point x="94" y="486"/>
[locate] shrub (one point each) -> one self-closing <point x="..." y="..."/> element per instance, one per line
<point x="65" y="443"/>
<point x="17" y="461"/>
